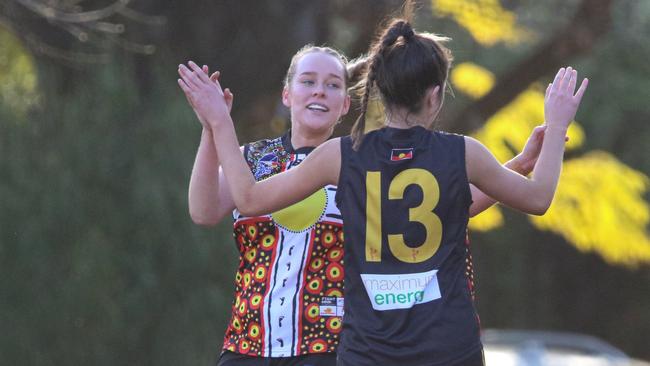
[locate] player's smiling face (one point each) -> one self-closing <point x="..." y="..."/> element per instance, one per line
<point x="317" y="93"/>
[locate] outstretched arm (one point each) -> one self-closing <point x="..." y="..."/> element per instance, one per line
<point x="209" y="198"/>
<point x="523" y="164"/>
<point x="532" y="195"/>
<point x="320" y="168"/>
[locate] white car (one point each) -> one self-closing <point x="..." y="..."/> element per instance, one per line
<point x="549" y="348"/>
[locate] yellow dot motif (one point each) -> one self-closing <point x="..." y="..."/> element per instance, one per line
<point x="258" y="240"/>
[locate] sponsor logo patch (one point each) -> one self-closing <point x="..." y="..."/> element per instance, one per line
<point x="401" y="291"/>
<point x="331" y="306"/>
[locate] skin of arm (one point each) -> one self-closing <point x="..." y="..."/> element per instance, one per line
<point x="209" y="198"/>
<point x="322" y="167"/>
<point x="319" y="169"/>
<point x="532" y="195"/>
<point x="523" y="164"/>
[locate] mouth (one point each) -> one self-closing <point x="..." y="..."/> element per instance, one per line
<point x="317" y="107"/>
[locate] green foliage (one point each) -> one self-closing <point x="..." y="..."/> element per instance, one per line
<point x="101" y="263"/>
<point x="17" y="74"/>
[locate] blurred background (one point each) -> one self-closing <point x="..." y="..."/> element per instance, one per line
<point x="100" y="263"/>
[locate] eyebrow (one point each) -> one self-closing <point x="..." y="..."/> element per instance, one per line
<point x="310" y="73"/>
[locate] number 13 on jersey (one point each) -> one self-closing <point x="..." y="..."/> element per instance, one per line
<point x="422" y="214"/>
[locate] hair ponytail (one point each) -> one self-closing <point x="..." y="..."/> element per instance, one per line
<point x="358" y="129"/>
<point x="399" y="28"/>
<point x="370" y="64"/>
<point x="401" y="66"/>
<point x="357" y="69"/>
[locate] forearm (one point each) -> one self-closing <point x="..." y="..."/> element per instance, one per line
<point x="204" y="183"/>
<point x="236" y="171"/>
<point x="480" y="200"/>
<point x="546" y="174"/>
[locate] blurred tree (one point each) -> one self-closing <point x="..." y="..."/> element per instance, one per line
<point x="76" y="31"/>
<point x="103" y="265"/>
<point x="528" y="278"/>
<point x="600" y="201"/>
<point x="590" y="21"/>
<point x="17" y="74"/>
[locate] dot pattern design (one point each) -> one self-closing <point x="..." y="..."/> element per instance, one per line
<point x="324" y="278"/>
<point x="257" y="239"/>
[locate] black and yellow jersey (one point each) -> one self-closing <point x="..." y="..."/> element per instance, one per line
<point x="405" y="197"/>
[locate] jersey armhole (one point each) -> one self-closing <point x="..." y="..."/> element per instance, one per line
<point x="463" y="155"/>
<point x="346" y="145"/>
<point x="247" y="148"/>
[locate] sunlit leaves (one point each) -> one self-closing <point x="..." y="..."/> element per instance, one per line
<point x="599" y="207"/>
<point x="486" y="20"/>
<point x="17" y="74"/>
<point x="472" y="79"/>
<point x="506" y="132"/>
<point x="487" y="220"/>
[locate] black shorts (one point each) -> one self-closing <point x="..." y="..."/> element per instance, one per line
<point x="476" y="359"/>
<point x="228" y="358"/>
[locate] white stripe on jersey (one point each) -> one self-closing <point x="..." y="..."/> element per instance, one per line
<point x="282" y="305"/>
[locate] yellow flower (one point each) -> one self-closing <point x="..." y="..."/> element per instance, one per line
<point x="599" y="207"/>
<point x="486" y="20"/>
<point x="472" y="79"/>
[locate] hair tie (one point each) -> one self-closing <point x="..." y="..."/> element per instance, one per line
<point x="408" y="33"/>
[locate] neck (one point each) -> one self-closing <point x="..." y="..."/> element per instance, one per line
<point x="402" y="118"/>
<point x="304" y="137"/>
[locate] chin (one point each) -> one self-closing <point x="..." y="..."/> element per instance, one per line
<point x="319" y="124"/>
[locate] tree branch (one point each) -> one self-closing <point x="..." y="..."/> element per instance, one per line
<point x="591" y="21"/>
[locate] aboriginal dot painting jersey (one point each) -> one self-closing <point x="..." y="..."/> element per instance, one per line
<point x="405" y="198"/>
<point x="289" y="284"/>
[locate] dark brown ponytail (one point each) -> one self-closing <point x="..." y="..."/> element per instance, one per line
<point x="401" y="66"/>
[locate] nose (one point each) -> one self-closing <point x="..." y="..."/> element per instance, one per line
<point x="319" y="90"/>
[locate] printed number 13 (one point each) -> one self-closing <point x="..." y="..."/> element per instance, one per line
<point x="422" y="214"/>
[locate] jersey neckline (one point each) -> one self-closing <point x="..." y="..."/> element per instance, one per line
<point x="288" y="147"/>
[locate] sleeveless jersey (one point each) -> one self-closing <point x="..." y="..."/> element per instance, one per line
<point x="289" y="283"/>
<point x="405" y="198"/>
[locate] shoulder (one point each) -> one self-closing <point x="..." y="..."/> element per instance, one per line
<point x="263" y="149"/>
<point x="449" y="136"/>
<point x="451" y="142"/>
<point x="262" y="146"/>
<point x="345" y="142"/>
<point x="473" y="146"/>
<point x="264" y="156"/>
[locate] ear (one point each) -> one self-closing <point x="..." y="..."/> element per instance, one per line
<point x="346" y="105"/>
<point x="285" y="97"/>
<point x="433" y="97"/>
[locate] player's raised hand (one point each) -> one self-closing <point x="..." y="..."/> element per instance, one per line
<point x="227" y="93"/>
<point x="561" y="101"/>
<point x="204" y="94"/>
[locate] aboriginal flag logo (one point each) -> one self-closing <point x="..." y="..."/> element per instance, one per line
<point x="401" y="154"/>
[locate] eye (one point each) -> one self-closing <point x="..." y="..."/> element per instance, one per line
<point x="307" y="82"/>
<point x="334" y="85"/>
